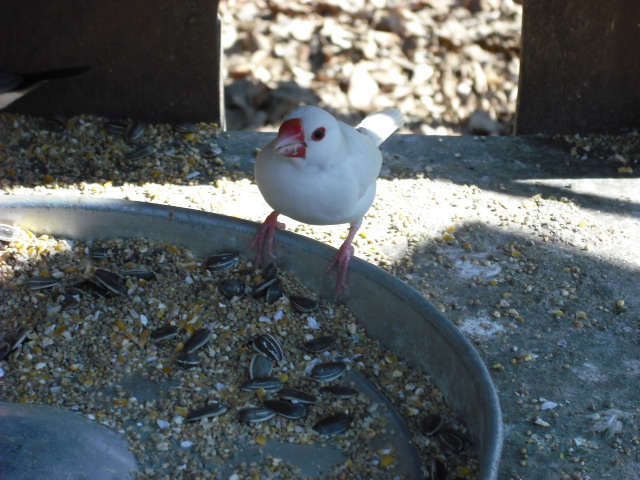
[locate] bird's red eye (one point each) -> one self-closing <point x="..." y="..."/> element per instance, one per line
<point x="318" y="134"/>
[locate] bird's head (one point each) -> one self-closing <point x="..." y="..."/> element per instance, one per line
<point x="308" y="132"/>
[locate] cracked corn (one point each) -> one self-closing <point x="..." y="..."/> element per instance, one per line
<point x="88" y="355"/>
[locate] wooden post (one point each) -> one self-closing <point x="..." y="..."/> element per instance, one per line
<point x="580" y="68"/>
<point x="150" y="60"/>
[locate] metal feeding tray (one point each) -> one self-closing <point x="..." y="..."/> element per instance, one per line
<point x="391" y="312"/>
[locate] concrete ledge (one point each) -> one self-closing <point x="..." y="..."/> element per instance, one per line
<point x="522" y="166"/>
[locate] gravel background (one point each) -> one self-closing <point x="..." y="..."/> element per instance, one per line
<point x="528" y="245"/>
<point x="450" y="66"/>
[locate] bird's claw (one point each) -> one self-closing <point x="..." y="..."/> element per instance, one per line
<point x="341" y="263"/>
<point x="264" y="238"/>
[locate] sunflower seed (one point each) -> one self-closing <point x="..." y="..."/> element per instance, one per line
<point x="256" y="414"/>
<point x="111" y="281"/>
<point x="133" y="132"/>
<point x="139" y="273"/>
<point x="286" y="409"/>
<point x="261" y="289"/>
<point x="431" y="424"/>
<point x="113" y="126"/>
<point x="325" y="372"/>
<point x="260" y="367"/>
<point x="68" y="298"/>
<point x="295" y="395"/>
<point x="269" y="346"/>
<point x="274" y="293"/>
<point x="230" y="287"/>
<point x="271" y="272"/>
<point x="199" y="338"/>
<point x="268" y="384"/>
<point x="54" y="125"/>
<point x="450" y="441"/>
<point x="212" y="410"/>
<point x="340" y="391"/>
<point x="185" y="127"/>
<point x="40" y="283"/>
<point x="303" y="304"/>
<point x="98" y="253"/>
<point x="319" y="344"/>
<point x="333" y="424"/>
<point x="5" y="349"/>
<point x="93" y="288"/>
<point x="219" y="262"/>
<point x="188" y="359"/>
<point x="21" y="337"/>
<point x="8" y="233"/>
<point x="140" y="153"/>
<point x="163" y="334"/>
<point x="437" y="470"/>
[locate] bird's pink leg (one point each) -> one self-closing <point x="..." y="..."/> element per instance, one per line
<point x="341" y="261"/>
<point x="264" y="238"/>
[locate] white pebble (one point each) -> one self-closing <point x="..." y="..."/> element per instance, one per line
<point x="50" y="329"/>
<point x="312" y="323"/>
<point x="548" y="405"/>
<point x="163" y="423"/>
<point x="541" y="423"/>
<point x="186" y="444"/>
<point x="278" y="315"/>
<point x="264" y="319"/>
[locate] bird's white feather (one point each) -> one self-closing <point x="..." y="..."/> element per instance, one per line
<point x="335" y="182"/>
<point x="322" y="171"/>
<point x="379" y="126"/>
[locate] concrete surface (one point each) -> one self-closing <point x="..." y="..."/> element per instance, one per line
<point x="532" y="252"/>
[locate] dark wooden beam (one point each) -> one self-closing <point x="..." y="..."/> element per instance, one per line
<point x="149" y="59"/>
<point x="580" y="69"/>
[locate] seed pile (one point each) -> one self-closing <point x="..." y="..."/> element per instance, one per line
<point x="58" y="152"/>
<point x="190" y="359"/>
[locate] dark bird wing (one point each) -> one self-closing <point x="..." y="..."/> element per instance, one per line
<point x="9" y="81"/>
<point x="13" y="86"/>
<point x="32" y="79"/>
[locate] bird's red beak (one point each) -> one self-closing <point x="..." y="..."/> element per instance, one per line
<point x="290" y="139"/>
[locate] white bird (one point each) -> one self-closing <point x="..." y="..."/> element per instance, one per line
<point x="322" y="172"/>
<point x="13" y="86"/>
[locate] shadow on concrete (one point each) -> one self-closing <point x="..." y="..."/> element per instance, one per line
<point x="548" y="323"/>
<point x="520" y="166"/>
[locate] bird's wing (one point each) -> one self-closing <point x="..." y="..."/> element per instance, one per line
<point x="9" y="81"/>
<point x="379" y="126"/>
<point x="14" y="86"/>
<point x="35" y="78"/>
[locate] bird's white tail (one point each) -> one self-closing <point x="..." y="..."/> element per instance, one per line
<point x="378" y="126"/>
